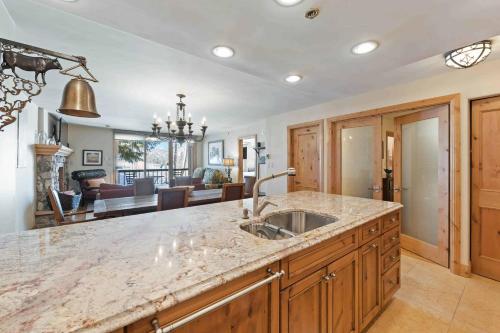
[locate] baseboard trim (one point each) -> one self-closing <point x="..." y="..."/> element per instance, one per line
<point x="462" y="270"/>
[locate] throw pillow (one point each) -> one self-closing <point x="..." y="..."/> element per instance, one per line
<point x="96" y="182"/>
<point x="198" y="173"/>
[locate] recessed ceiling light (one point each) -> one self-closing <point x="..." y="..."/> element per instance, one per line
<point x="293" y="78"/>
<point x="70" y="0"/>
<point x="288" y="3"/>
<point x="365" y="47"/>
<point x="223" y="51"/>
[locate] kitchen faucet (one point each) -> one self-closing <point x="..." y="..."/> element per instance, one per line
<point x="256" y="209"/>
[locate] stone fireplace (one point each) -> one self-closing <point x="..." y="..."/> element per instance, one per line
<point x="51" y="170"/>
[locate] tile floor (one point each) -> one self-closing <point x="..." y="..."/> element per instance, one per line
<point x="431" y="299"/>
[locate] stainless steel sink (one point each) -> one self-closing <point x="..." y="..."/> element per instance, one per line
<point x="287" y="224"/>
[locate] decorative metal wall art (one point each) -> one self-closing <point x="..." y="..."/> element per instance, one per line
<point x="16" y="92"/>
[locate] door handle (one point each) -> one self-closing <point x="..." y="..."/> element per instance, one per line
<point x="375" y="188"/>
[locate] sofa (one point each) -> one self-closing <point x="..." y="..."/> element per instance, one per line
<point x="209" y="178"/>
<point x="111" y="191"/>
<point x="89" y="181"/>
<point x="93" y="186"/>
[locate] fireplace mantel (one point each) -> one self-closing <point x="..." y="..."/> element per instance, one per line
<point x="51" y="150"/>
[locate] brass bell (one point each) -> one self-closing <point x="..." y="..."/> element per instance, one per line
<point x="78" y="99"/>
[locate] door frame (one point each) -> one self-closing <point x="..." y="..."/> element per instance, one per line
<point x="240" y="157"/>
<point x="336" y="141"/>
<point x="453" y="101"/>
<point x="289" y="130"/>
<point x="437" y="253"/>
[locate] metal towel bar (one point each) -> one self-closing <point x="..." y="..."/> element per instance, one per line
<point x="176" y="324"/>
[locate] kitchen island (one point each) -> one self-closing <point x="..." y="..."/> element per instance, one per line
<point x="110" y="274"/>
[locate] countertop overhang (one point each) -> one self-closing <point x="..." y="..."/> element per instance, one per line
<point x="103" y="275"/>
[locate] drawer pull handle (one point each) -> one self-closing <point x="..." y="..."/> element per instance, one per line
<point x="372" y="230"/>
<point x="393" y="219"/>
<point x="394" y="258"/>
<point x="329" y="277"/>
<point x="393" y="238"/>
<point x="374" y="245"/>
<point x="176" y="324"/>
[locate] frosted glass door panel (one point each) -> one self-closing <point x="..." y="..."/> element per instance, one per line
<point x="357" y="161"/>
<point x="419" y="179"/>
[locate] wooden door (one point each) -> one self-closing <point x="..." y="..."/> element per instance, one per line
<point x="369" y="281"/>
<point x="303" y="305"/>
<point x="485" y="210"/>
<point x="343" y="295"/>
<point x="304" y="154"/>
<point x="421" y="182"/>
<point x="357" y="165"/>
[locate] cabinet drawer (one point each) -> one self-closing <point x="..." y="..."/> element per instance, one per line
<point x="391" y="281"/>
<point x="389" y="239"/>
<point x="255" y="307"/>
<point x="390" y="220"/>
<point x="369" y="231"/>
<point x="301" y="264"/>
<point x="390" y="258"/>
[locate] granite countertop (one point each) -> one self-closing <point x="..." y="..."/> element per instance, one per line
<point x="103" y="275"/>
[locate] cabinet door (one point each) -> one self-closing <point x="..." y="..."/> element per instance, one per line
<point x="303" y="305"/>
<point x="343" y="295"/>
<point x="369" y="270"/>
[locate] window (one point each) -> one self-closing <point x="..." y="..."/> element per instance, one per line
<point x="138" y="157"/>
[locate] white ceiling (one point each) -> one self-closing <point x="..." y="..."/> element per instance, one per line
<point x="144" y="52"/>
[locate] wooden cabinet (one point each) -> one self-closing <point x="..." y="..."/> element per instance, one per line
<point x="337" y="286"/>
<point x="369" y="281"/>
<point x="391" y="281"/>
<point x="256" y="311"/>
<point x="303" y="263"/>
<point x="390" y="221"/>
<point x="325" y="301"/>
<point x="390" y="239"/>
<point x="369" y="231"/>
<point x="304" y="304"/>
<point x="342" y="295"/>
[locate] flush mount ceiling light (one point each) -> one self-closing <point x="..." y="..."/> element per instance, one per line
<point x="288" y="3"/>
<point x="365" y="47"/>
<point x="223" y="51"/>
<point x="294" y="78"/>
<point x="468" y="56"/>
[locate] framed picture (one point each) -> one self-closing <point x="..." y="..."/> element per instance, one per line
<point x="92" y="157"/>
<point x="215" y="152"/>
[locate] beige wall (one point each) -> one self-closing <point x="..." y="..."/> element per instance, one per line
<point x="17" y="192"/>
<point x="231" y="143"/>
<point x="473" y="83"/>
<point x="91" y="138"/>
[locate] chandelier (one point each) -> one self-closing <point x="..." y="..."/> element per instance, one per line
<point x="468" y="56"/>
<point x="175" y="129"/>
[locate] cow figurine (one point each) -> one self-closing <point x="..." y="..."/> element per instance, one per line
<point x="38" y="65"/>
